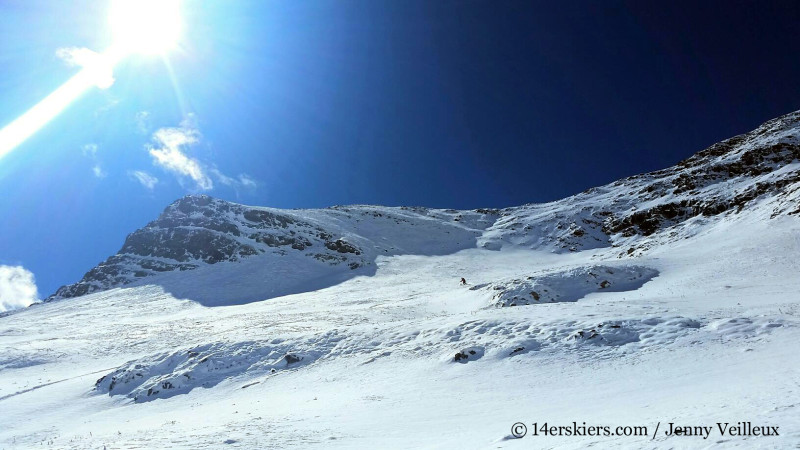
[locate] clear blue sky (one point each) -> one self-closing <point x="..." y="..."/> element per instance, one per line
<point x="457" y="104"/>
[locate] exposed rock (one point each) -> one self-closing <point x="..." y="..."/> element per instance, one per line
<point x="762" y="166"/>
<point x="342" y="246"/>
<point x="568" y="285"/>
<point x="291" y="358"/>
<point x="198" y="231"/>
<point x="760" y="169"/>
<point x="469" y="354"/>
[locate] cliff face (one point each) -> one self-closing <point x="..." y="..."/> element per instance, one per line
<point x="755" y="175"/>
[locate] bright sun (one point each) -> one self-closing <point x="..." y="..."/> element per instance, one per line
<point x="151" y="27"/>
<point x="145" y="26"/>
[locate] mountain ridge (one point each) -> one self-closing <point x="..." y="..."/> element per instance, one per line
<point x="756" y="171"/>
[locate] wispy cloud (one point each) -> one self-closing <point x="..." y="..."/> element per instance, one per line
<point x="222" y="178"/>
<point x="98" y="171"/>
<point x="241" y="181"/>
<point x="247" y="182"/>
<point x="111" y="103"/>
<point x="147" y="180"/>
<point x="90" y="151"/>
<point x="101" y="69"/>
<point x="17" y="288"/>
<point x="143" y="121"/>
<point x="168" y="152"/>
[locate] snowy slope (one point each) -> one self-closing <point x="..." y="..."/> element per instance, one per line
<point x="664" y="297"/>
<point x="292" y="251"/>
<point x="758" y="170"/>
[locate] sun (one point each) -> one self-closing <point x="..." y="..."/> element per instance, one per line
<point x="147" y="27"/>
<point x="150" y="27"/>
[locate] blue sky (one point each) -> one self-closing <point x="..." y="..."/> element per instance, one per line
<point x="310" y="104"/>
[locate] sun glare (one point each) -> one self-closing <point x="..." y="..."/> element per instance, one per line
<point x="149" y="27"/>
<point x="145" y="26"/>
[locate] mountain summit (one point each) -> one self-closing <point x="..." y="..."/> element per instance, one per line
<point x="671" y="289"/>
<point x="757" y="173"/>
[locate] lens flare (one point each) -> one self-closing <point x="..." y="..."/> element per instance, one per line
<point x="139" y="27"/>
<point x="15" y="133"/>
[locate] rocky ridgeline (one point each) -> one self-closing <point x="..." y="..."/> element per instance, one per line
<point x="199" y="230"/>
<point x="750" y="171"/>
<point x="757" y="172"/>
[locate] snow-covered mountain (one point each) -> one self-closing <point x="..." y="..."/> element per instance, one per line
<point x="757" y="171"/>
<point x="291" y="250"/>
<point x="661" y="300"/>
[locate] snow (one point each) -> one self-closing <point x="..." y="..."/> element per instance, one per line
<point x="697" y="332"/>
<point x="669" y="297"/>
<point x="568" y="285"/>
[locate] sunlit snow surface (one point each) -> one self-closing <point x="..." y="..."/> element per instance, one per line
<point x="668" y="297"/>
<point x="696" y="331"/>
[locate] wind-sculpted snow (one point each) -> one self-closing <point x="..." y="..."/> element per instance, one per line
<point x="15" y="358"/>
<point x="169" y="374"/>
<point x="499" y="340"/>
<point x="568" y="285"/>
<point x="205" y="366"/>
<point x="743" y="327"/>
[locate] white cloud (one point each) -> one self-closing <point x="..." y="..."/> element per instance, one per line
<point x="242" y="181"/>
<point x="98" y="66"/>
<point x="17" y="288"/>
<point x="222" y="178"/>
<point x="98" y="171"/>
<point x="144" y="178"/>
<point x="247" y="182"/>
<point x="168" y="152"/>
<point x="90" y="150"/>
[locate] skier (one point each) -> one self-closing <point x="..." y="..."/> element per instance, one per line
<point x="463" y="281"/>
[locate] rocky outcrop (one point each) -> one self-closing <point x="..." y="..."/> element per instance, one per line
<point x="199" y="231"/>
<point x="757" y="172"/>
<point x="568" y="285"/>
